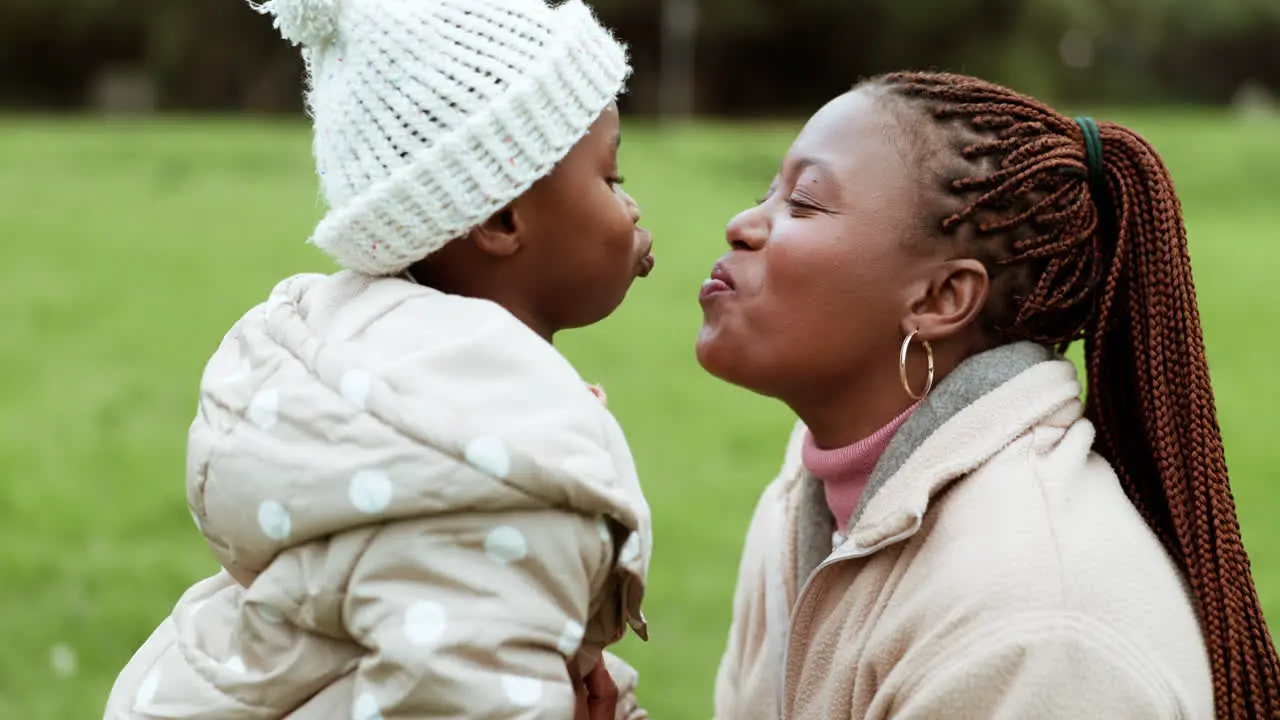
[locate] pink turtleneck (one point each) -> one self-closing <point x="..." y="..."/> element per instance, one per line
<point x="846" y="471"/>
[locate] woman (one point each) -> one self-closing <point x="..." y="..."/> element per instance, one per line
<point x="953" y="534"/>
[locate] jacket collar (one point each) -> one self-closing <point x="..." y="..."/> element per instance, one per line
<point x="975" y="412"/>
<point x="981" y="407"/>
<point x="972" y="379"/>
<point x="897" y="495"/>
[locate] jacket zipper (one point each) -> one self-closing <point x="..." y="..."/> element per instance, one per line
<point x="834" y="559"/>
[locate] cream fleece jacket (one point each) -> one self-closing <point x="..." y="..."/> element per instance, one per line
<point x="995" y="569"/>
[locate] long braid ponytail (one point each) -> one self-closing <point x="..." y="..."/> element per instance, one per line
<point x="1103" y="257"/>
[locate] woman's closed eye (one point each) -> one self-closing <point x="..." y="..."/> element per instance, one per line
<point x="800" y="207"/>
<point x="802" y="203"/>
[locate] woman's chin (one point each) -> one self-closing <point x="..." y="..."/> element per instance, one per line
<point x="716" y="355"/>
<point x="747" y="365"/>
<point x="705" y="348"/>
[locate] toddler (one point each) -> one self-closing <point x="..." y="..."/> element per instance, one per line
<point x="421" y="509"/>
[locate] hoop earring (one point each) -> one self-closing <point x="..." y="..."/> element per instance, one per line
<point x="902" y="366"/>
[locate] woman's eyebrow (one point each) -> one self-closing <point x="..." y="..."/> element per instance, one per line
<point x="821" y="168"/>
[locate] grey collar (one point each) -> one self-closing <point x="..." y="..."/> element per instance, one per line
<point x="973" y="378"/>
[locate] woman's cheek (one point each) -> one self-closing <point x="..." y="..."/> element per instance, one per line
<point x="791" y="268"/>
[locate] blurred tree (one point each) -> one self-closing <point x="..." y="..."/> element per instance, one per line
<point x="751" y="56"/>
<point x="678" y="69"/>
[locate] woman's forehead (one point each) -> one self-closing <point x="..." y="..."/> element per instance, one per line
<point x="847" y="140"/>
<point x="846" y="124"/>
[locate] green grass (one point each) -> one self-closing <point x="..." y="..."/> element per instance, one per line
<point x="128" y="250"/>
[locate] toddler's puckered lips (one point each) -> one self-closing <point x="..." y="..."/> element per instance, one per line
<point x="720" y="282"/>
<point x="645" y="265"/>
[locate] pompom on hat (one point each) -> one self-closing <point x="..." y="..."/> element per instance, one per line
<point x="432" y="115"/>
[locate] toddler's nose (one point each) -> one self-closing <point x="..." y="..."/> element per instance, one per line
<point x="633" y="207"/>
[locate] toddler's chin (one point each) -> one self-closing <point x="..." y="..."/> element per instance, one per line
<point x="588" y="315"/>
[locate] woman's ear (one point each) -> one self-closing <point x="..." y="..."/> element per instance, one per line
<point x="949" y="301"/>
<point x="500" y="234"/>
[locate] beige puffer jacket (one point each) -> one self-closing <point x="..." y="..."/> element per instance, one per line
<point x="434" y="511"/>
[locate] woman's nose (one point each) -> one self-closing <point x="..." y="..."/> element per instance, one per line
<point x="749" y="230"/>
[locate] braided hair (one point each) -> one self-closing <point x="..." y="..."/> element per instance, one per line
<point x="1105" y="261"/>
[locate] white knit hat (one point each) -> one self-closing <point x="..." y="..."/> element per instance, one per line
<point x="431" y="115"/>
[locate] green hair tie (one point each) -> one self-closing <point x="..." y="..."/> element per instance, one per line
<point x="1093" y="156"/>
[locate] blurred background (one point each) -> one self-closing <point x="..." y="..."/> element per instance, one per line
<point x="156" y="182"/>
<point x="711" y="57"/>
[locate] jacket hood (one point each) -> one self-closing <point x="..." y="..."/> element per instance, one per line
<point x="344" y="401"/>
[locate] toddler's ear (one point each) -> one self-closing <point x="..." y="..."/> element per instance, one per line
<point x="500" y="234"/>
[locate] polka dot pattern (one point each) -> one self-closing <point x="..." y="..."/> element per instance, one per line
<point x="370" y="492"/>
<point x="274" y="520"/>
<point x="571" y="638"/>
<point x="424" y="622"/>
<point x="522" y="691"/>
<point x="490" y="455"/>
<point x="264" y="409"/>
<point x="147" y="690"/>
<point x="506" y="545"/>
<point x="631" y="549"/>
<point x="355" y="387"/>
<point x="366" y="708"/>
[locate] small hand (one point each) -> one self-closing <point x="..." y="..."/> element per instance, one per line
<point x="597" y="696"/>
